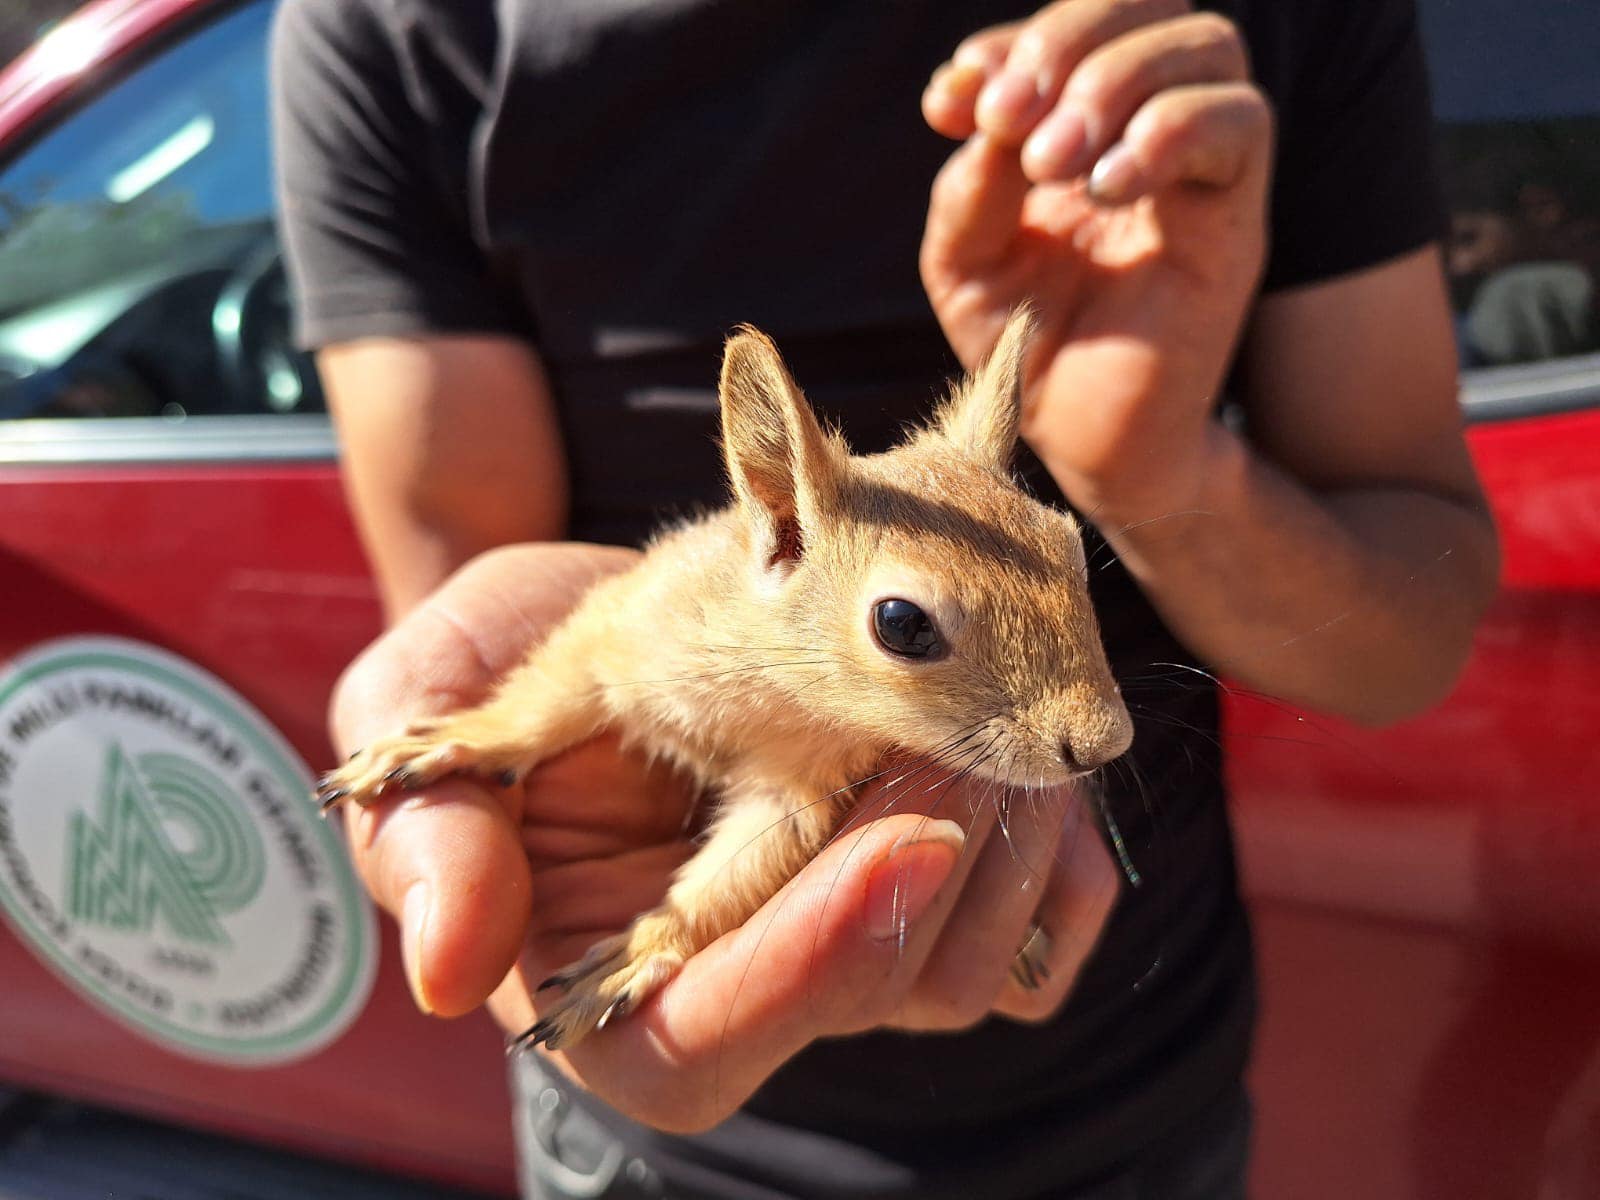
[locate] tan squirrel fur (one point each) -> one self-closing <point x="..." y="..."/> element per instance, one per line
<point x="742" y="648"/>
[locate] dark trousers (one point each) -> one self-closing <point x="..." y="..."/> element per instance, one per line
<point x="565" y="1154"/>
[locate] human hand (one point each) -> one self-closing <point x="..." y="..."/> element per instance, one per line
<point x="911" y="917"/>
<point x="1114" y="173"/>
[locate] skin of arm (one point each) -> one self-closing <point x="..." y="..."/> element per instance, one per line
<point x="449" y="447"/>
<point x="1342" y="555"/>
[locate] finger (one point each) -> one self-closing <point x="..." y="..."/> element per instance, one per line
<point x="832" y="952"/>
<point x="978" y="945"/>
<point x="951" y="96"/>
<point x="1047" y="50"/>
<point x="447" y="864"/>
<point x="450" y="866"/>
<point x="1118" y="78"/>
<point x="1078" y="898"/>
<point x="1217" y="136"/>
<point x="974" y="211"/>
<point x="578" y="903"/>
<point x="987" y="49"/>
<point x="600" y="799"/>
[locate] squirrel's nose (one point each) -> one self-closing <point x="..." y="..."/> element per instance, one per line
<point x="1087" y="753"/>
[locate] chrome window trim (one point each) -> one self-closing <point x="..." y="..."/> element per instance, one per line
<point x="1556" y="385"/>
<point x="287" y="437"/>
<point x="1487" y="394"/>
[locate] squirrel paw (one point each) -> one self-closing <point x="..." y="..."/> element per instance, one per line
<point x="413" y="760"/>
<point x="617" y="975"/>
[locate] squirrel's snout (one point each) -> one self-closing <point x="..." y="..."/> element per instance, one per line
<point x="1088" y="753"/>
<point x="1094" y="743"/>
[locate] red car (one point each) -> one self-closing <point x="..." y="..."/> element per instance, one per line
<point x="181" y="939"/>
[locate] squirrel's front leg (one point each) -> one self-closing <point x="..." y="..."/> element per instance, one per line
<point x="547" y="705"/>
<point x="756" y="844"/>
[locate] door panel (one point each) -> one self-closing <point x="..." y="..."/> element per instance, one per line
<point x="166" y="476"/>
<point x="254" y="573"/>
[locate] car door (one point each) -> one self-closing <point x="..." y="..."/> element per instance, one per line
<point x="1427" y="899"/>
<point x="182" y="585"/>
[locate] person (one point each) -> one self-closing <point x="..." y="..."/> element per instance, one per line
<point x="518" y="234"/>
<point x="1520" y="259"/>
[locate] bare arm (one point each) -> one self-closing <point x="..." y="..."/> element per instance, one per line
<point x="450" y="447"/>
<point x="1343" y="556"/>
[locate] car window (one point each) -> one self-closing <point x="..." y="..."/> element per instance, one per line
<point x="139" y="267"/>
<point x="1517" y="96"/>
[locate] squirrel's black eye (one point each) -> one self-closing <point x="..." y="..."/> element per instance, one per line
<point x="904" y="629"/>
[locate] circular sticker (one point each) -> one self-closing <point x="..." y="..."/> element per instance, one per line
<point x="160" y="850"/>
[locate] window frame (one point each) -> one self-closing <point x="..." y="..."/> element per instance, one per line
<point x="129" y="38"/>
<point x="1523" y="391"/>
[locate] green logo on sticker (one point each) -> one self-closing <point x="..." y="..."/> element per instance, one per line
<point x="126" y="870"/>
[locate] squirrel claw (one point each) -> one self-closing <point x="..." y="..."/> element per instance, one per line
<point x="401" y="776"/>
<point x="543" y="1033"/>
<point x="328" y="796"/>
<point x="1029" y="968"/>
<point x="620" y="1007"/>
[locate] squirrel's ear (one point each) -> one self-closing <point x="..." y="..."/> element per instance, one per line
<point x="783" y="466"/>
<point x="983" y="414"/>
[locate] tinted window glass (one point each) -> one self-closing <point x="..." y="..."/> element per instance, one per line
<point x="139" y="271"/>
<point x="1517" y="90"/>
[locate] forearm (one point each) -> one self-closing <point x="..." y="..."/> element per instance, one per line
<point x="415" y="541"/>
<point x="450" y="447"/>
<point x="1359" y="601"/>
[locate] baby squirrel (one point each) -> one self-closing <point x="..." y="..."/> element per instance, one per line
<point x="842" y="606"/>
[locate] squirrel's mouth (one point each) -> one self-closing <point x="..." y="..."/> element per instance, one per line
<point x="1001" y="754"/>
<point x="1048" y="778"/>
<point x="1020" y="767"/>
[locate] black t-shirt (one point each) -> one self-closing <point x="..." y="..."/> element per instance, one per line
<point x="622" y="183"/>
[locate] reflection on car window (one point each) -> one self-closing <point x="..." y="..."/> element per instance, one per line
<point x="139" y="271"/>
<point x="1517" y="91"/>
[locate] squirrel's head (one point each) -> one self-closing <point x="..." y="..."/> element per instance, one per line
<point x="952" y="608"/>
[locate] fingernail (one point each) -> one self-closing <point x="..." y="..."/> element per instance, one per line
<point x="1008" y="102"/>
<point x="1055" y="149"/>
<point x="1114" y="176"/>
<point x="414" y="912"/>
<point x="908" y="878"/>
<point x="952" y="93"/>
<point x="958" y="78"/>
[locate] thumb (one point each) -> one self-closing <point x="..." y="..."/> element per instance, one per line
<point x="449" y="865"/>
<point x="834" y="951"/>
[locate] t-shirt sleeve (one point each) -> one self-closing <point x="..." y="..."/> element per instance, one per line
<point x="1355" y="182"/>
<point x="375" y="241"/>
